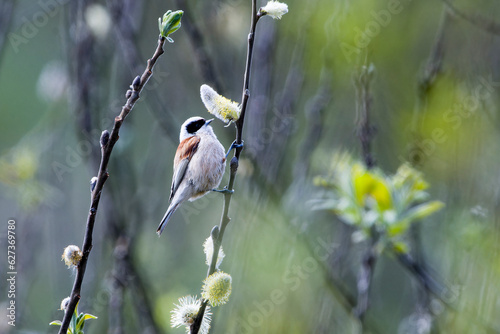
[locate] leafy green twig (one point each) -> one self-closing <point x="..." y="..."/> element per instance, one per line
<point x="77" y="321"/>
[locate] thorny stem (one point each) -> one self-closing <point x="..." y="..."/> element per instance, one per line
<point x="106" y="149"/>
<point x="195" y="327"/>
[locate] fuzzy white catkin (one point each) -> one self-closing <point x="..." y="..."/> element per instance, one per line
<point x="208" y="249"/>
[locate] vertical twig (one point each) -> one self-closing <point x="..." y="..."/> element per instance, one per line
<point x="270" y="159"/>
<point x="425" y="84"/>
<point x="6" y="10"/>
<point x="315" y="116"/>
<point x="430" y="72"/>
<point x="118" y="285"/>
<point x="264" y="53"/>
<point x="125" y="278"/>
<point x="365" y="132"/>
<point x="108" y="141"/>
<point x="217" y="239"/>
<point x="205" y="63"/>
<point x="142" y="302"/>
<point x="365" y="276"/>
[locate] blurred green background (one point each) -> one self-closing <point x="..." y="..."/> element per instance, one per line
<point x="65" y="67"/>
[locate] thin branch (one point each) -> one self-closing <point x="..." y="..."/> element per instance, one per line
<point x="205" y="63"/>
<point x="423" y="277"/>
<point x="270" y="160"/>
<point x="435" y="61"/>
<point x="108" y="141"/>
<point x="118" y="285"/>
<point x="430" y="72"/>
<point x="125" y="276"/>
<point x="365" y="276"/>
<point x="142" y="304"/>
<point x="315" y="111"/>
<point x="477" y="20"/>
<point x="6" y="10"/>
<point x="217" y="239"/>
<point x="365" y="130"/>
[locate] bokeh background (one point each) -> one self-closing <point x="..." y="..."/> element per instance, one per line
<point x="434" y="101"/>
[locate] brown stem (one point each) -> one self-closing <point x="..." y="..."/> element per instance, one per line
<point x="106" y="149"/>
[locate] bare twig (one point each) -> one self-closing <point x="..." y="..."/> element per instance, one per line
<point x="118" y="285"/>
<point x="205" y="63"/>
<point x="125" y="277"/>
<point x="271" y="158"/>
<point x="217" y="239"/>
<point x="476" y="19"/>
<point x="264" y="51"/>
<point x="365" y="130"/>
<point x="365" y="276"/>
<point x="430" y="72"/>
<point x="142" y="301"/>
<point x="434" y="62"/>
<point x="108" y="141"/>
<point x="315" y="115"/>
<point x="6" y="10"/>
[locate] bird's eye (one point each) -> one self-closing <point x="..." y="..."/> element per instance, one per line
<point x="195" y="126"/>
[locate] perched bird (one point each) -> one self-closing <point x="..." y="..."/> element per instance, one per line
<point x="199" y="165"/>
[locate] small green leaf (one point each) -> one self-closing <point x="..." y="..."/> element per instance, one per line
<point x="55" y="323"/>
<point x="320" y="181"/>
<point x="398" y="228"/>
<point x="80" y="322"/>
<point x="81" y="319"/>
<point x="400" y="247"/>
<point x="423" y="210"/>
<point x="89" y="316"/>
<point x="170" y="23"/>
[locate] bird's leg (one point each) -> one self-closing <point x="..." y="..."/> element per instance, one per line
<point x="234" y="145"/>
<point x="223" y="191"/>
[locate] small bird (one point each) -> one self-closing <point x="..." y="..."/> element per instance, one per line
<point x="199" y="164"/>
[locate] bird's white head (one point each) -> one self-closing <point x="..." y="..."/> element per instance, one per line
<point x="195" y="126"/>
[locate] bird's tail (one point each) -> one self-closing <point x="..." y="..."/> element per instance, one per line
<point x="166" y="218"/>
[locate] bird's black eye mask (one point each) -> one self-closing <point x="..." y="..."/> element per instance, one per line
<point x="195" y="126"/>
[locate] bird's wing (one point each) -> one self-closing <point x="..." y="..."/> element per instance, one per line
<point x="187" y="148"/>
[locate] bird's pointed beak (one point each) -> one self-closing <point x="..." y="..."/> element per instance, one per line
<point x="208" y="121"/>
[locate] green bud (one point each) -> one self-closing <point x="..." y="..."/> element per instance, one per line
<point x="170" y="23"/>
